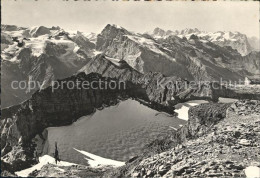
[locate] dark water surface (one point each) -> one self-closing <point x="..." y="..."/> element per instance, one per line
<point x="117" y="132"/>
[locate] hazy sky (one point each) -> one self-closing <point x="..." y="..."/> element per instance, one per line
<point x="135" y="16"/>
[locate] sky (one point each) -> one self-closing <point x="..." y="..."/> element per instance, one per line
<point x="93" y="16"/>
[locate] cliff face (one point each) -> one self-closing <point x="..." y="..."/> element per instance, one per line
<point x="220" y="140"/>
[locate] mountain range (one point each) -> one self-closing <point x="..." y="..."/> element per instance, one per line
<point x="238" y="41"/>
<point x="46" y="54"/>
<point x="158" y="69"/>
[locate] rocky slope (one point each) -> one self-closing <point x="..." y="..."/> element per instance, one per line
<point x="220" y="140"/>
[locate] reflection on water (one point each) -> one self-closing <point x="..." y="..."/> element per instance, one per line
<point x="118" y="132"/>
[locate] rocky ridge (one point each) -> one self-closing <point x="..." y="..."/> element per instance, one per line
<point x="168" y="90"/>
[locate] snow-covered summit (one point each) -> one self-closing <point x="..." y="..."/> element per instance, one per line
<point x="236" y="40"/>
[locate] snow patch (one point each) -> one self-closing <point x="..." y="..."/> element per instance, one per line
<point x="113" y="60"/>
<point x="92" y="37"/>
<point x="252" y="172"/>
<point x="97" y="52"/>
<point x="149" y="44"/>
<point x="117" y="26"/>
<point x="183" y="112"/>
<point x="76" y="48"/>
<point x="183" y="108"/>
<point x="46" y="159"/>
<point x="37" y="45"/>
<point x="95" y="161"/>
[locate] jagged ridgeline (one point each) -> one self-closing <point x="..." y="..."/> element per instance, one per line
<point x="45" y="54"/>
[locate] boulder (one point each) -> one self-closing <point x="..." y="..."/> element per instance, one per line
<point x="244" y="142"/>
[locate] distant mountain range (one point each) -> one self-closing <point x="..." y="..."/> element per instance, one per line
<point x="236" y="40"/>
<point x="45" y="54"/>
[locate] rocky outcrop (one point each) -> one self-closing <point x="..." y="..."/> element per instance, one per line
<point x="230" y="145"/>
<point x="204" y="116"/>
<point x="51" y="170"/>
<point x="244" y="108"/>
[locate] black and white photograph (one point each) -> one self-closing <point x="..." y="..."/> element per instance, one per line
<point x="138" y="89"/>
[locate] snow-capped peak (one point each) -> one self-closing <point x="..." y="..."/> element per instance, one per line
<point x="117" y="26"/>
<point x="236" y="40"/>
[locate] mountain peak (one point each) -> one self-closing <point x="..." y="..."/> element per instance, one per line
<point x="113" y="26"/>
<point x="189" y="31"/>
<point x="39" y="30"/>
<point x="158" y="31"/>
<point x="117" y="26"/>
<point x="111" y="31"/>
